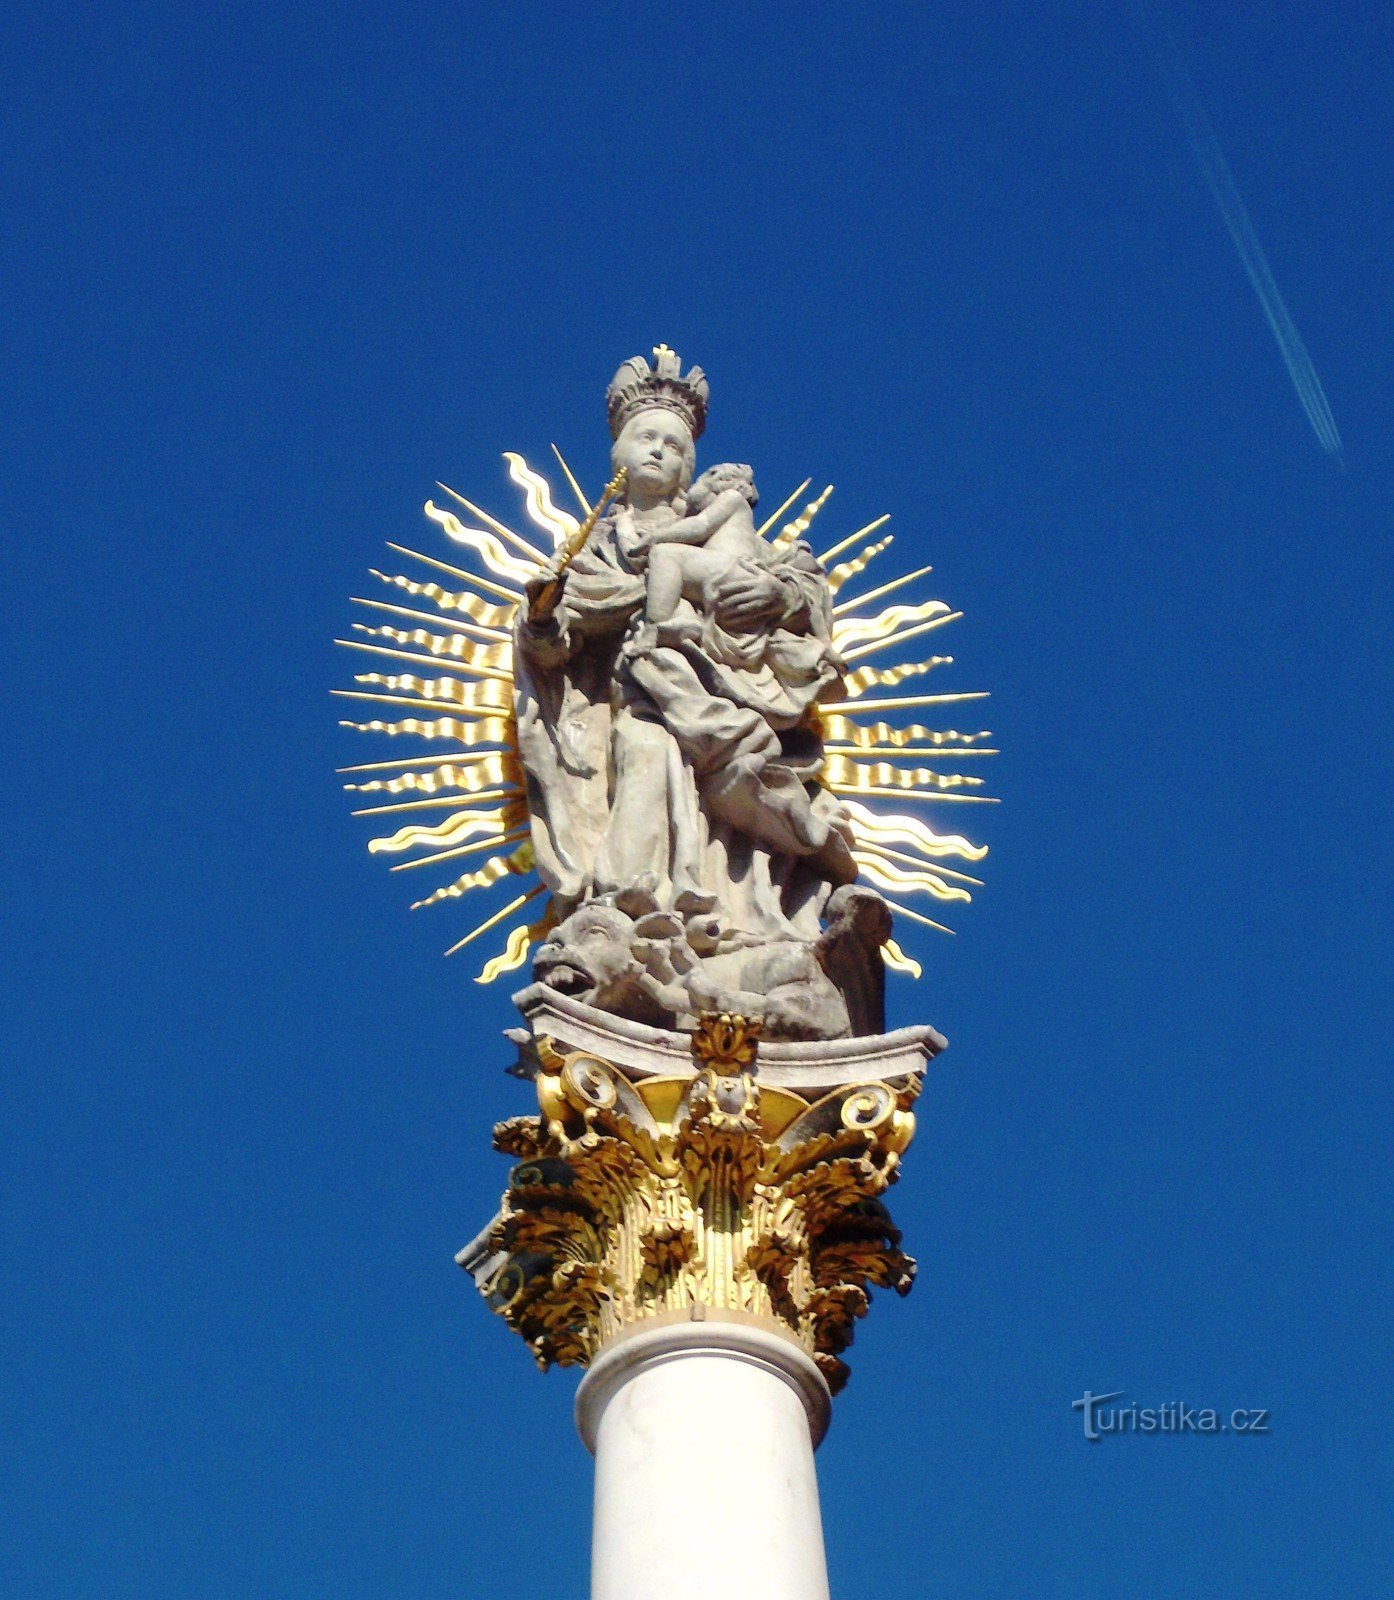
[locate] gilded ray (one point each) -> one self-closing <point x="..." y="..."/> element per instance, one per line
<point x="451" y="646"/>
<point x="865" y="678"/>
<point x="867" y="848"/>
<point x="865" y="736"/>
<point x="884" y="589"/>
<point x="502" y="529"/>
<point x="484" y="877"/>
<point x="849" y="569"/>
<point x="558" y="525"/>
<point x="451" y="601"/>
<point x="492" y="635"/>
<point x="483" y="772"/>
<point x="878" y="827"/>
<point x="849" y="631"/>
<point x="889" y="792"/>
<point x="896" y="959"/>
<point x="887" y="875"/>
<point x="576" y="488"/>
<point x="494" y="693"/>
<point x="453" y="831"/>
<point x="419" y="761"/>
<point x="394" y="699"/>
<point x="840" y="770"/>
<point x="852" y="538"/>
<point x="490" y="841"/>
<point x="901" y="637"/>
<point x="483" y="730"/>
<point x="504" y="792"/>
<point x="804" y="521"/>
<point x="907" y="752"/>
<point x="917" y="916"/>
<point x="498" y="917"/>
<point x="769" y="522"/>
<point x="906" y="700"/>
<point x="515" y="952"/>
<point x="488" y="548"/>
<point x="433" y="691"/>
<point x="459" y="665"/>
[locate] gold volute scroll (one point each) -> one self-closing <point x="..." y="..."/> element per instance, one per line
<point x="631" y="1200"/>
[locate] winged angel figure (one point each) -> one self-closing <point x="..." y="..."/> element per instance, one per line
<point x="687" y="775"/>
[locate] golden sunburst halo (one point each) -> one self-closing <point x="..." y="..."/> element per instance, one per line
<point x="462" y="689"/>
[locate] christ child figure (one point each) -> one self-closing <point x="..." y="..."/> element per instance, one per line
<point x="690" y="554"/>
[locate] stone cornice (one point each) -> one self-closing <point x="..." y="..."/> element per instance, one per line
<point x="640" y="1051"/>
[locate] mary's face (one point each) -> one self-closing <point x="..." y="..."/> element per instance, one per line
<point x="654" y="446"/>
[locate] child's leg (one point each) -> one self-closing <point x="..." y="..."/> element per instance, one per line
<point x="700" y="572"/>
<point x="665" y="581"/>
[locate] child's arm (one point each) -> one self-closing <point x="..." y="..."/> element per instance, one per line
<point x="700" y="525"/>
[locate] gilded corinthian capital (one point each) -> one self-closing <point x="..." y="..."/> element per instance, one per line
<point x="641" y="1195"/>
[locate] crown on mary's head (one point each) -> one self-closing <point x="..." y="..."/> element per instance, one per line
<point x="637" y="386"/>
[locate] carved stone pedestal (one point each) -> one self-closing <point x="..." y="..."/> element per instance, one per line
<point x="698" y="1219"/>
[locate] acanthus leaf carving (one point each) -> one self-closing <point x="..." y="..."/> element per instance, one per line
<point x="632" y="1199"/>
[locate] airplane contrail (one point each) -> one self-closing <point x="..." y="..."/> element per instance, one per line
<point x="1205" y="147"/>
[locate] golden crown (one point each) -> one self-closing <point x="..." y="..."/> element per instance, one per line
<point x="637" y="386"/>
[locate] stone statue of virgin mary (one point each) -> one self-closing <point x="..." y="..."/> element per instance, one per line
<point x="681" y="763"/>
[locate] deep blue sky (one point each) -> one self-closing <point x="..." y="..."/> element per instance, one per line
<point x="270" y="271"/>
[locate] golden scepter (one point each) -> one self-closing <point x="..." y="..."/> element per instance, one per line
<point x="548" y="597"/>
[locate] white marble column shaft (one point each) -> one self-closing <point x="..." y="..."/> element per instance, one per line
<point x="703" y="1435"/>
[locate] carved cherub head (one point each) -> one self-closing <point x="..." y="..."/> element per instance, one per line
<point x="619" y="954"/>
<point x="588" y="954"/>
<point x="727" y="475"/>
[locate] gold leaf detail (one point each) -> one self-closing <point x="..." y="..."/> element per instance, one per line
<point x="849" y="569"/>
<point x="851" y="630"/>
<point x="477" y="610"/>
<point x="896" y="959"/>
<point x="864" y="678"/>
<point x="492" y="551"/>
